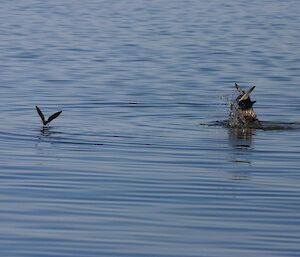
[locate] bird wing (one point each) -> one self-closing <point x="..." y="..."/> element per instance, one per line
<point x="239" y="89"/>
<point x="53" y="116"/>
<point x="41" y="115"/>
<point x="247" y="94"/>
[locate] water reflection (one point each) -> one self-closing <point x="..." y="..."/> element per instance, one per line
<point x="47" y="136"/>
<point x="45" y="132"/>
<point x="44" y="146"/>
<point x="240" y="139"/>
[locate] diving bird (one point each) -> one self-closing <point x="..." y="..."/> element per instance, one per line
<point x="52" y="117"/>
<point x="242" y="112"/>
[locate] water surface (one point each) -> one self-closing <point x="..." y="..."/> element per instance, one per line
<point x="128" y="169"/>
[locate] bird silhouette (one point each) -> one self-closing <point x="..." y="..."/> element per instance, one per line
<point x="52" y="117"/>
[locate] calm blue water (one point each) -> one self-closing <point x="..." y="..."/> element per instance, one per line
<point x="127" y="169"/>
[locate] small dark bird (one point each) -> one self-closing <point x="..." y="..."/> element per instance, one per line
<point x="242" y="112"/>
<point x="52" y="117"/>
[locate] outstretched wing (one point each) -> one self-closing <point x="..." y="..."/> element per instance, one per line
<point x="53" y="116"/>
<point x="239" y="89"/>
<point x="41" y="115"/>
<point x="247" y="94"/>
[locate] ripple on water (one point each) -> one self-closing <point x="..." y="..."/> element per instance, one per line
<point x="126" y="170"/>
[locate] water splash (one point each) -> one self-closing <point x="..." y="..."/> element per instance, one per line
<point x="237" y="121"/>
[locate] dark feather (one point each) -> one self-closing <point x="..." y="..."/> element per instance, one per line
<point x="41" y="115"/>
<point x="239" y="89"/>
<point x="53" y="116"/>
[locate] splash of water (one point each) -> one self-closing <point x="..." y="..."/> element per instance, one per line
<point x="237" y="119"/>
